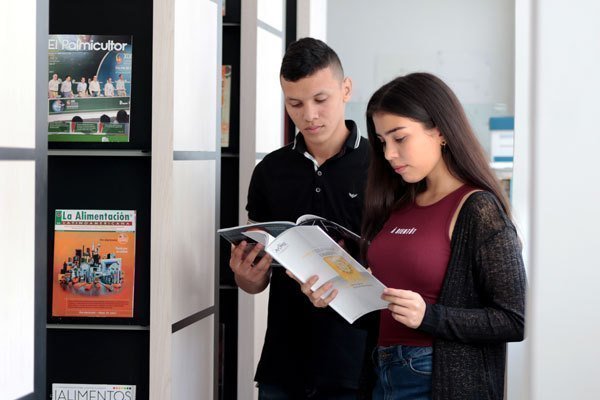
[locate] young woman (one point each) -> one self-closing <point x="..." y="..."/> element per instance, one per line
<point x="438" y="234"/>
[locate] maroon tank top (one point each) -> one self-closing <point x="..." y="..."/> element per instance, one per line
<point x="412" y="252"/>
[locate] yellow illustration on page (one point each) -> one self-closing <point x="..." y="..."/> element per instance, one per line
<point x="343" y="268"/>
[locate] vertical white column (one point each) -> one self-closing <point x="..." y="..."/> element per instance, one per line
<point x="185" y="177"/>
<point x="261" y="131"/>
<point x="162" y="200"/>
<point x="311" y="19"/>
<point x="518" y="373"/>
<point x="564" y="322"/>
<point x="196" y="87"/>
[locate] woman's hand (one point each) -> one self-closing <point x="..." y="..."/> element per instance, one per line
<point x="315" y="296"/>
<point x="407" y="307"/>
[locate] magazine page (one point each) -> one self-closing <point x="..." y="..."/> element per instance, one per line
<point x="310" y="219"/>
<point x="94" y="263"/>
<point x="349" y="240"/>
<point x="236" y="234"/>
<point x="308" y="251"/>
<point x="261" y="237"/>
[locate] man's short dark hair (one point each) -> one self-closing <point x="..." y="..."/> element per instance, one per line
<point x="104" y="118"/>
<point x="306" y="56"/>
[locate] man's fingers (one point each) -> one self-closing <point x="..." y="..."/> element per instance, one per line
<point x="306" y="286"/>
<point x="263" y="265"/>
<point x="254" y="252"/>
<point x="330" y="298"/>
<point x="236" y="253"/>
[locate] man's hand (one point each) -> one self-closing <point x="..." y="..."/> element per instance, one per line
<point x="250" y="277"/>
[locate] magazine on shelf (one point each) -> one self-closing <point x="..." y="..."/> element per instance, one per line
<point x="316" y="246"/>
<point x="94" y="263"/>
<point x="73" y="391"/>
<point x="89" y="87"/>
<point x="225" y="104"/>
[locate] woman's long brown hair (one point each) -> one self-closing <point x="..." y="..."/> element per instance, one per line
<point x="427" y="99"/>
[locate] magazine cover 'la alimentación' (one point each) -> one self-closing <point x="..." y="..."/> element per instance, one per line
<point x="89" y="88"/>
<point x="94" y="263"/>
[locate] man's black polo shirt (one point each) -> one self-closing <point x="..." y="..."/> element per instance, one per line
<point x="305" y="345"/>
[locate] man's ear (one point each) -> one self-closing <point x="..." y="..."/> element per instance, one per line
<point x="347" y="89"/>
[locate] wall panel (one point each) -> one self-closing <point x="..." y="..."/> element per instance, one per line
<point x="17" y="216"/>
<point x="193" y="236"/>
<point x="193" y="361"/>
<point x="194" y="82"/>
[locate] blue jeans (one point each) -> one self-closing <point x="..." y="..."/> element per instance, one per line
<point x="277" y="392"/>
<point x="403" y="373"/>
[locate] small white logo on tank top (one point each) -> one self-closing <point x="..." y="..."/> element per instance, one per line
<point x="403" y="231"/>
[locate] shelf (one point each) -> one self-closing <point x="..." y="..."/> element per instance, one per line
<point x="95" y="153"/>
<point x="99" y="327"/>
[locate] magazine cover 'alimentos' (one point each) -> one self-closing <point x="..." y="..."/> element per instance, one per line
<point x="89" y="88"/>
<point x="94" y="263"/>
<point x="81" y="391"/>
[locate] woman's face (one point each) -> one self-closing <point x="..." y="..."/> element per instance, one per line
<point x="413" y="151"/>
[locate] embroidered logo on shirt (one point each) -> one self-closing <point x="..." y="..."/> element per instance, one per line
<point x="352" y="195"/>
<point x="403" y="231"/>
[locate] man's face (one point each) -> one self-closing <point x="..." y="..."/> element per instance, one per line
<point x="316" y="105"/>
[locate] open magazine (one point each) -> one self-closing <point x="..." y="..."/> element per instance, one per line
<point x="308" y="251"/>
<point x="348" y="239"/>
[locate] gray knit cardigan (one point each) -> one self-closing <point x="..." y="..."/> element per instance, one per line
<point x="481" y="305"/>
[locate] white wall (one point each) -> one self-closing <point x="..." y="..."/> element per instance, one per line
<point x="468" y="43"/>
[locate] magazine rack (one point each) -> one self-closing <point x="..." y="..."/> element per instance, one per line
<point x="105" y="176"/>
<point x="168" y="172"/>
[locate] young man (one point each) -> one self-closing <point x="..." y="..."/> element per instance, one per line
<point x="309" y="353"/>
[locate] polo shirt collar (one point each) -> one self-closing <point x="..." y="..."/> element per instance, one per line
<point x="351" y="143"/>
